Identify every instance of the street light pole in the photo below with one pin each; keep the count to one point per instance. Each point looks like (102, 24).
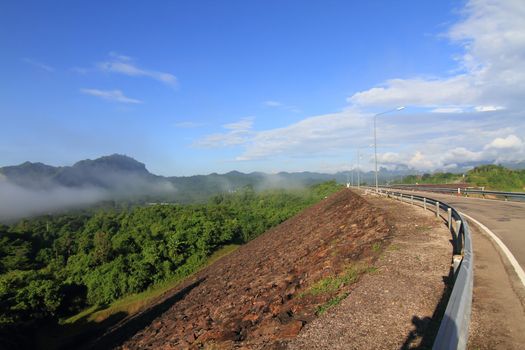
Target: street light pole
(375, 149)
(375, 137)
(358, 180)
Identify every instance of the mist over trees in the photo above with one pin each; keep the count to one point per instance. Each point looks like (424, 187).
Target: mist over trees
(34, 188)
(52, 267)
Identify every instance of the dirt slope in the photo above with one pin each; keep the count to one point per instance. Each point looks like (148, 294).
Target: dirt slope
(401, 304)
(252, 297)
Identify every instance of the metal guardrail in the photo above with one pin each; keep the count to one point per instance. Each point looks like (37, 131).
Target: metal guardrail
(460, 191)
(454, 329)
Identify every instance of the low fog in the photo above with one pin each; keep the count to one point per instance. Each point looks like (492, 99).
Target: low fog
(18, 202)
(273, 181)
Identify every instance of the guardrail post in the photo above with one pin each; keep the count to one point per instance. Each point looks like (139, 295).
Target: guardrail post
(412, 200)
(456, 261)
(401, 197)
(458, 245)
(437, 210)
(425, 203)
(458, 225)
(449, 212)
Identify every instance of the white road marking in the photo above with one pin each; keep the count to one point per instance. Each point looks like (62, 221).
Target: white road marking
(503, 247)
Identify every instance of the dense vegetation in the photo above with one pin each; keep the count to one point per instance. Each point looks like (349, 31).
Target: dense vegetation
(496, 177)
(493, 177)
(55, 266)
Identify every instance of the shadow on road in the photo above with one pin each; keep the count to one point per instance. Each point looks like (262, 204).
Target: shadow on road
(426, 328)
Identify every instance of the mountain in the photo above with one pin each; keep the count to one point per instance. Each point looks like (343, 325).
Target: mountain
(30, 175)
(121, 175)
(105, 172)
(36, 188)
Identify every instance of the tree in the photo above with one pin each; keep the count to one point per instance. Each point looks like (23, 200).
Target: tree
(101, 247)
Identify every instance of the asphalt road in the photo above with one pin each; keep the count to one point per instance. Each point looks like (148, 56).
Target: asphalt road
(505, 219)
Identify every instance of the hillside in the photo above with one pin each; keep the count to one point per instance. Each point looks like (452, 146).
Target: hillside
(262, 294)
(347, 272)
(84, 263)
(491, 177)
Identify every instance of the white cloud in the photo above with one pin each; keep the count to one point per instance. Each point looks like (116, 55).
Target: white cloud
(238, 133)
(389, 158)
(492, 34)
(188, 124)
(459, 155)
(314, 135)
(280, 105)
(419, 92)
(40, 65)
(110, 95)
(491, 79)
(447, 110)
(421, 161)
(242, 125)
(273, 103)
(508, 143)
(500, 149)
(488, 108)
(121, 64)
(419, 140)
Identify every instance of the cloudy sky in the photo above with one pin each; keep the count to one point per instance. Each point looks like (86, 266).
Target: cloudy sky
(196, 87)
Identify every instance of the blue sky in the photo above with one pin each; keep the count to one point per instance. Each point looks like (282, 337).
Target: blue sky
(197, 87)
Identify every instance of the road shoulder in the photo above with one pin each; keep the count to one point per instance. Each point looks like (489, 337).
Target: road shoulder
(498, 313)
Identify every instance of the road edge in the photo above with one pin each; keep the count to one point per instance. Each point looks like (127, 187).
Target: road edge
(510, 257)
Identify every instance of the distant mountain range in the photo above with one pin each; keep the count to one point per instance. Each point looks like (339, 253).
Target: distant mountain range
(31, 188)
(119, 174)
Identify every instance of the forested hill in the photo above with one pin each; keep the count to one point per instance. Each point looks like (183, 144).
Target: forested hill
(491, 177)
(52, 267)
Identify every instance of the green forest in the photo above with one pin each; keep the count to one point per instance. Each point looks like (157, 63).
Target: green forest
(492, 177)
(52, 267)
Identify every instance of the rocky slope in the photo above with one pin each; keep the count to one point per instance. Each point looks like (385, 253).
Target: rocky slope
(263, 294)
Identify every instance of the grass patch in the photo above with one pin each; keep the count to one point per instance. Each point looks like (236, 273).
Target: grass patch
(332, 283)
(331, 303)
(376, 247)
(84, 314)
(372, 270)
